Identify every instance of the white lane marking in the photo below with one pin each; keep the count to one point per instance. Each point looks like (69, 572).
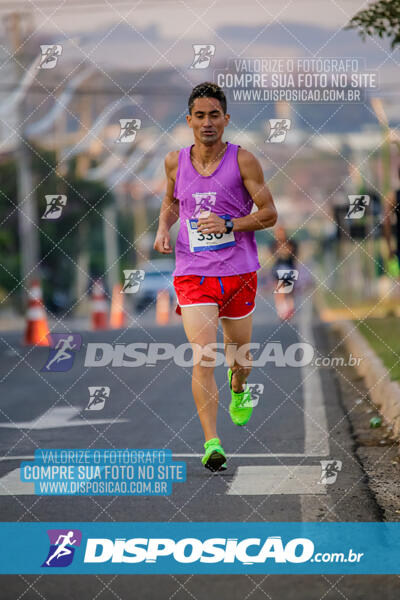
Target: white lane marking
(17, 457)
(192, 455)
(318, 508)
(315, 422)
(249, 480)
(276, 479)
(253, 455)
(58, 417)
(11, 485)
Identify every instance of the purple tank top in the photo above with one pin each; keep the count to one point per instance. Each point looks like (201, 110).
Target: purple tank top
(224, 194)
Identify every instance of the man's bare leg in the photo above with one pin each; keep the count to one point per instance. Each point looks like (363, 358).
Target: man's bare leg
(238, 331)
(201, 324)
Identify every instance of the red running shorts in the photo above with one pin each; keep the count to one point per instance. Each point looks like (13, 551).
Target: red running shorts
(233, 294)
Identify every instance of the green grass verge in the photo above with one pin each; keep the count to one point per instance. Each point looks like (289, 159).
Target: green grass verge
(383, 335)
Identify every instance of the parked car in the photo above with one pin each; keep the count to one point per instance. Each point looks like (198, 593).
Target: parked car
(158, 276)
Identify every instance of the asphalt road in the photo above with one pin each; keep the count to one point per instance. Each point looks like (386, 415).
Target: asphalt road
(298, 422)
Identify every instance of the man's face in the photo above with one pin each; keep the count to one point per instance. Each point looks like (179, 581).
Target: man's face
(207, 120)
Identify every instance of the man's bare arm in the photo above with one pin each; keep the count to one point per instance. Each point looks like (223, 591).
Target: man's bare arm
(253, 180)
(169, 212)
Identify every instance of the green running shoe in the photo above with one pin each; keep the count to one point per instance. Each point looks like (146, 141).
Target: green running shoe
(214, 457)
(241, 407)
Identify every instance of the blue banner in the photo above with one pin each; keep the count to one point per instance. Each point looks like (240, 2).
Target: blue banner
(212, 548)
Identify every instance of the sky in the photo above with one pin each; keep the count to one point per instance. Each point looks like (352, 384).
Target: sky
(184, 17)
(131, 32)
(153, 34)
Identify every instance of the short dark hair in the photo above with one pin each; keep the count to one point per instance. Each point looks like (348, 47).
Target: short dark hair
(207, 90)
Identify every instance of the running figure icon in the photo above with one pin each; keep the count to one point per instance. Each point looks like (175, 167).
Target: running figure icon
(132, 280)
(357, 207)
(62, 549)
(63, 345)
(286, 280)
(98, 397)
(50, 55)
(129, 129)
(54, 207)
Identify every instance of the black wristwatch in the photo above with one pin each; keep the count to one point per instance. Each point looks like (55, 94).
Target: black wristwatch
(228, 225)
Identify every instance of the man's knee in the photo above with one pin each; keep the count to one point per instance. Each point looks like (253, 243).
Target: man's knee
(203, 363)
(204, 355)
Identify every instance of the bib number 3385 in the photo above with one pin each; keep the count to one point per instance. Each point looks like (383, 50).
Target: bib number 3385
(199, 240)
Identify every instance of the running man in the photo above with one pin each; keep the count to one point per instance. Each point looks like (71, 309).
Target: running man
(212, 186)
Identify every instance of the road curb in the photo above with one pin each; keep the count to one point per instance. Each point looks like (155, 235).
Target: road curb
(382, 391)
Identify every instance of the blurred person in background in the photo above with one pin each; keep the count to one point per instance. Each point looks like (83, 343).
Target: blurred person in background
(284, 252)
(392, 211)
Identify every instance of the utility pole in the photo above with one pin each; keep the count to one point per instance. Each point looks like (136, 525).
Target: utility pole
(83, 259)
(27, 208)
(140, 226)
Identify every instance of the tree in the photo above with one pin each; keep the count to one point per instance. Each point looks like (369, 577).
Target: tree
(381, 18)
(59, 239)
(9, 247)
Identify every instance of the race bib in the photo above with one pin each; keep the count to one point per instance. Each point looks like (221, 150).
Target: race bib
(199, 241)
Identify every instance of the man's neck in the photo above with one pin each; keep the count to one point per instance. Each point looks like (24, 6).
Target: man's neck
(205, 154)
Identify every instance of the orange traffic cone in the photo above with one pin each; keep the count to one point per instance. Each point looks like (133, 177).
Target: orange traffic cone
(37, 328)
(162, 307)
(117, 315)
(99, 306)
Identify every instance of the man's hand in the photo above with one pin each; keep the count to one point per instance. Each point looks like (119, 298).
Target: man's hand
(211, 223)
(162, 242)
(169, 212)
